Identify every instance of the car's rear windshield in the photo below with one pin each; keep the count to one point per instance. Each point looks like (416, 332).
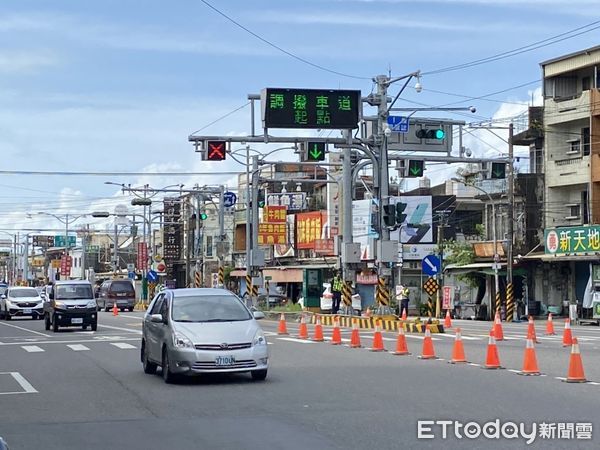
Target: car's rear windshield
(73, 292)
(21, 293)
(121, 286)
(209, 308)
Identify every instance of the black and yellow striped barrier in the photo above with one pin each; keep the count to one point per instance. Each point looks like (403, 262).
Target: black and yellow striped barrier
(510, 302)
(387, 324)
(498, 303)
(197, 279)
(347, 293)
(221, 276)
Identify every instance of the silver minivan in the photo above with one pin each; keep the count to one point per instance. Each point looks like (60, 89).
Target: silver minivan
(202, 330)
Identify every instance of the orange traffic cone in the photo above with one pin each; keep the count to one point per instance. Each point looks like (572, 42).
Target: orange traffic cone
(318, 334)
(458, 352)
(447, 320)
(115, 309)
(492, 361)
(401, 347)
(498, 331)
(303, 331)
(550, 326)
(355, 336)
(428, 351)
(567, 336)
(404, 314)
(336, 337)
(531, 331)
(530, 365)
(282, 329)
(575, 374)
(377, 339)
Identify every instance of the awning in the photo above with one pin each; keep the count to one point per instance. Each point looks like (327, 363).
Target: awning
(473, 267)
(546, 257)
(283, 275)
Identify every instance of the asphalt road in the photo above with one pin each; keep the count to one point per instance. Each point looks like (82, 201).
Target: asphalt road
(76, 389)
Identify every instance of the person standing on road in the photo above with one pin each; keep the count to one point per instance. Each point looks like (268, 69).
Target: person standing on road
(336, 291)
(403, 293)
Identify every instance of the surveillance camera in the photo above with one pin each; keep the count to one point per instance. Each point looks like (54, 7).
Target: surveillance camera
(418, 87)
(468, 153)
(473, 109)
(387, 132)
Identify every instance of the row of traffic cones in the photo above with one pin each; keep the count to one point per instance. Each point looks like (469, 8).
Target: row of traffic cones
(530, 365)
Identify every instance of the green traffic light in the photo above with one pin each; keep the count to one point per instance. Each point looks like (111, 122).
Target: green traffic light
(203, 216)
(440, 134)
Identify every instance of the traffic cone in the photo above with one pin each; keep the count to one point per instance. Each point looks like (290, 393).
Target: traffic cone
(282, 329)
(355, 336)
(447, 320)
(575, 374)
(401, 347)
(404, 314)
(498, 331)
(303, 331)
(458, 352)
(567, 336)
(336, 337)
(318, 333)
(115, 309)
(550, 326)
(492, 361)
(428, 351)
(377, 339)
(530, 365)
(531, 331)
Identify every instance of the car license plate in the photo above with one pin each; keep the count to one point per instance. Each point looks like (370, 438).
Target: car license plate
(27, 311)
(224, 360)
(76, 320)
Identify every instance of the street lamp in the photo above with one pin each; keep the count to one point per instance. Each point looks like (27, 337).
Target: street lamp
(495, 238)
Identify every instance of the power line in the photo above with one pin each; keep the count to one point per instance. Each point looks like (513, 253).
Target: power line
(115, 174)
(517, 51)
(222, 117)
(282, 50)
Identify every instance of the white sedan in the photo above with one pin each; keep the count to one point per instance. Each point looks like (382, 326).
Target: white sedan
(20, 302)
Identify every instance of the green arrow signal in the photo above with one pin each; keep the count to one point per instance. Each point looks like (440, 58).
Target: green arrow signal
(315, 152)
(498, 173)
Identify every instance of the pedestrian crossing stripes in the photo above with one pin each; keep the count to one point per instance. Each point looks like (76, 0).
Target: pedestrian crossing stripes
(75, 347)
(32, 348)
(122, 345)
(78, 347)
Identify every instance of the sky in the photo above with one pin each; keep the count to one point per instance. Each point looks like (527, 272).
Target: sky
(118, 85)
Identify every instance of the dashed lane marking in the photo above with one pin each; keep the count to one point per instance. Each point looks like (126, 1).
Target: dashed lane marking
(27, 387)
(78, 347)
(25, 329)
(32, 348)
(300, 341)
(122, 345)
(129, 330)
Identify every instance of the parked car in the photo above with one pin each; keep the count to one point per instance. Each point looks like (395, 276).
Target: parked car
(202, 330)
(274, 299)
(120, 291)
(71, 303)
(21, 301)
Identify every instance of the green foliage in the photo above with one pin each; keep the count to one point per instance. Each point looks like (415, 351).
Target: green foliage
(289, 307)
(460, 254)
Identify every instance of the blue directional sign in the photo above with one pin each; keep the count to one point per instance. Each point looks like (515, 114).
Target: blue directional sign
(152, 276)
(398, 123)
(229, 199)
(431, 265)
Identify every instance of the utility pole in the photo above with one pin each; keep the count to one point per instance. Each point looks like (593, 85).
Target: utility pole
(510, 237)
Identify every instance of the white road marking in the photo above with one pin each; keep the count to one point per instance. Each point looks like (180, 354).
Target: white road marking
(77, 341)
(514, 370)
(595, 383)
(300, 341)
(78, 347)
(474, 364)
(129, 330)
(32, 348)
(132, 317)
(122, 345)
(27, 387)
(25, 329)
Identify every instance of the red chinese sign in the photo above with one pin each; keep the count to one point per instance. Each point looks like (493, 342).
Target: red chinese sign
(273, 229)
(142, 256)
(324, 246)
(447, 297)
(65, 265)
(309, 227)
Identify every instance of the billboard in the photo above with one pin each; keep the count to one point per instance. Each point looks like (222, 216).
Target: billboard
(418, 224)
(309, 228)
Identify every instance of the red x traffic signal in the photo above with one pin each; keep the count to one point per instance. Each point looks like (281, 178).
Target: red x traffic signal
(215, 150)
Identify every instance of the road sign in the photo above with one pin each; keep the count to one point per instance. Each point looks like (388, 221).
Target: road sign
(398, 123)
(152, 276)
(216, 150)
(431, 265)
(447, 297)
(130, 267)
(131, 275)
(59, 241)
(229, 199)
(431, 286)
(315, 151)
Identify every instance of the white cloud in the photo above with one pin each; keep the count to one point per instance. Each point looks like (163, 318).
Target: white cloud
(25, 61)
